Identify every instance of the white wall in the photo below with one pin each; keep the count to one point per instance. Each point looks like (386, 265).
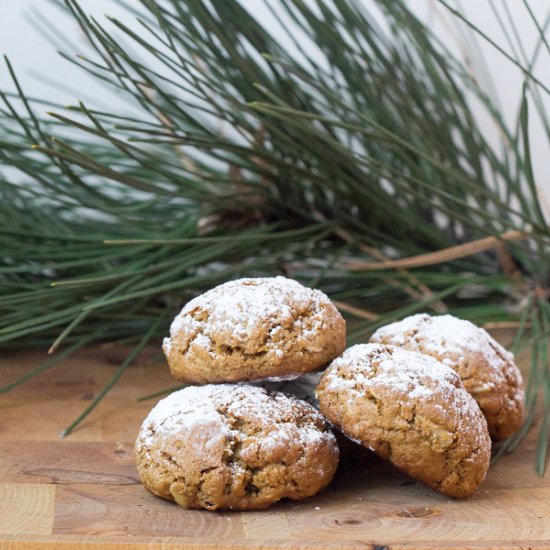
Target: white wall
(30, 53)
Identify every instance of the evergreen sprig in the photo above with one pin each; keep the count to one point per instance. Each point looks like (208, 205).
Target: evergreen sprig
(331, 157)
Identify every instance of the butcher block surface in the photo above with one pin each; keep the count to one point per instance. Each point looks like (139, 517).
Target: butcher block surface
(83, 491)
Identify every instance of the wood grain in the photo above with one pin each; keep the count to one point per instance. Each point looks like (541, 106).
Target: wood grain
(26, 508)
(83, 492)
(266, 525)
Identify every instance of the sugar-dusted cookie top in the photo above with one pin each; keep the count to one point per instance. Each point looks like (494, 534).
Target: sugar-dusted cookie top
(252, 329)
(412, 410)
(487, 370)
(234, 446)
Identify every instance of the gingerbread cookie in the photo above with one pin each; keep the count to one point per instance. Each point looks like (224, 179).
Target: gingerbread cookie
(252, 329)
(411, 410)
(487, 370)
(234, 446)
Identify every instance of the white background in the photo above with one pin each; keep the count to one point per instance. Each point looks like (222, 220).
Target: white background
(32, 55)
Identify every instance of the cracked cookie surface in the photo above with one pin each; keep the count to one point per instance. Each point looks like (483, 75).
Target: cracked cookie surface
(411, 410)
(234, 447)
(253, 329)
(486, 369)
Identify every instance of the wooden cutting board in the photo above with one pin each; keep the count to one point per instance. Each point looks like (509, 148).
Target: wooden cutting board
(83, 491)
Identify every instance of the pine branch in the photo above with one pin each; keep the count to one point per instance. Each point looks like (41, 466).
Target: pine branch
(349, 157)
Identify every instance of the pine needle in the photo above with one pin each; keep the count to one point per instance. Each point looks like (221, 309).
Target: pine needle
(350, 157)
(160, 392)
(118, 373)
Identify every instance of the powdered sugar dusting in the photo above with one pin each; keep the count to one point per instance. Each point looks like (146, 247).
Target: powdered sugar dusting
(488, 371)
(373, 365)
(377, 369)
(443, 336)
(285, 378)
(217, 407)
(236, 313)
(167, 345)
(182, 411)
(411, 410)
(234, 446)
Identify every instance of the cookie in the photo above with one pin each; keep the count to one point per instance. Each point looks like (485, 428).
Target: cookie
(304, 388)
(252, 329)
(234, 447)
(487, 370)
(409, 409)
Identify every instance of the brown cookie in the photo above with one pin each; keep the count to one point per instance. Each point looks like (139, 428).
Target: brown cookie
(487, 370)
(409, 409)
(234, 446)
(252, 329)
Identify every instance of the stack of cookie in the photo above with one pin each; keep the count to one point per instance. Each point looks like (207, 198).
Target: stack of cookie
(237, 445)
(427, 393)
